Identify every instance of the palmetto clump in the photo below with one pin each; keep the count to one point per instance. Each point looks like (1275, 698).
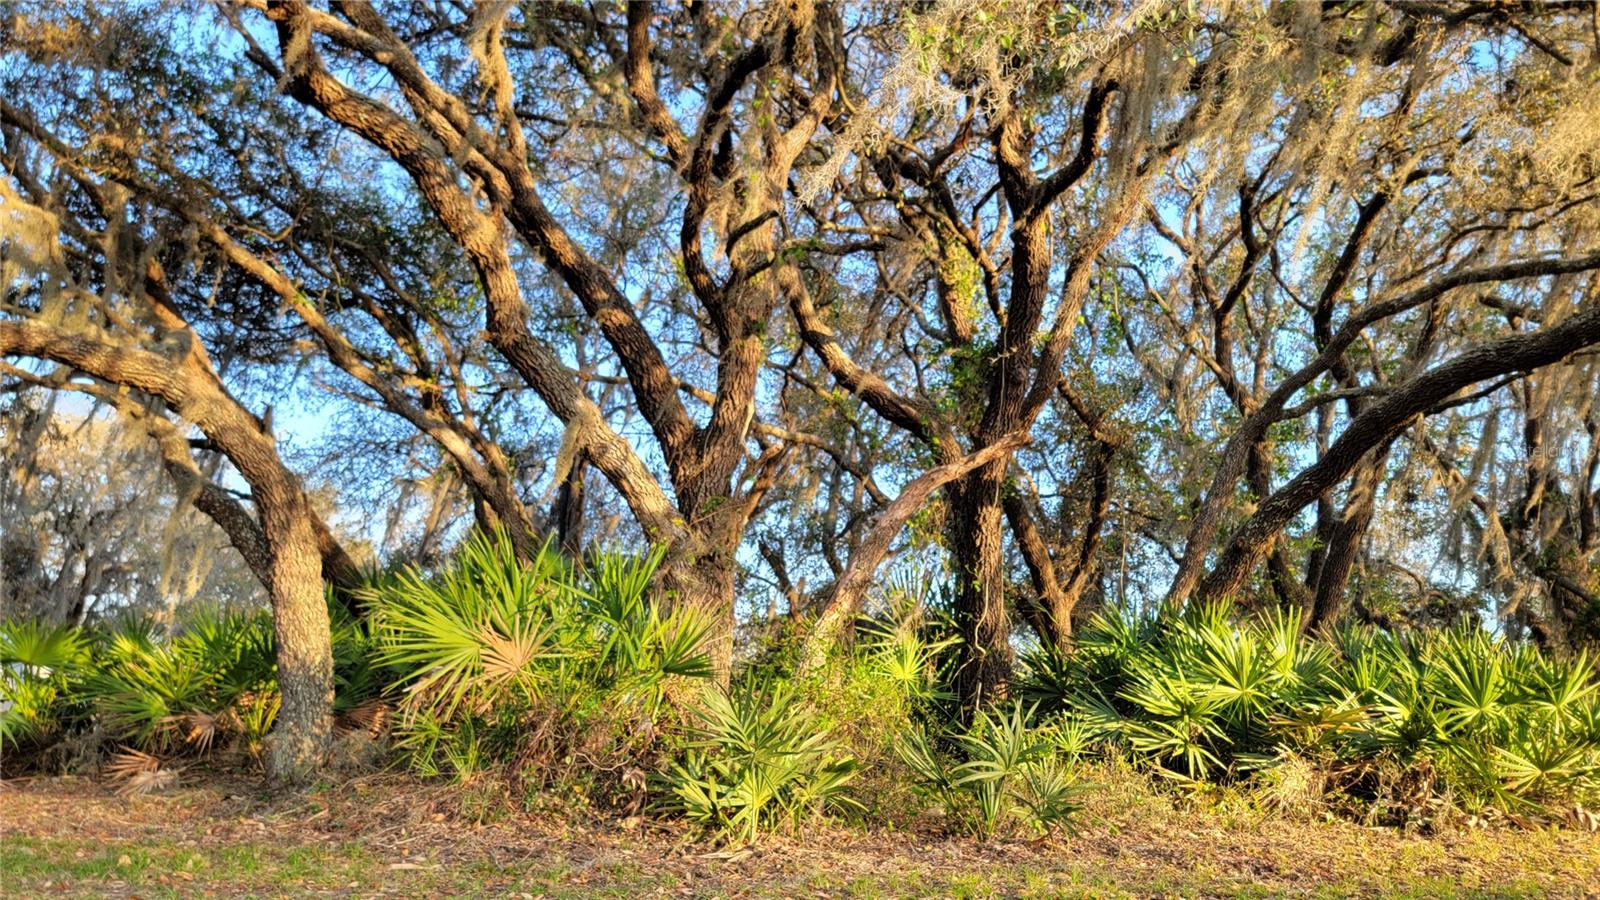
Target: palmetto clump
(566, 672)
(758, 758)
(1396, 719)
(210, 687)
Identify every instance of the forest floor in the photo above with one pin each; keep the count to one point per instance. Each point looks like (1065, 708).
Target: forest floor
(386, 835)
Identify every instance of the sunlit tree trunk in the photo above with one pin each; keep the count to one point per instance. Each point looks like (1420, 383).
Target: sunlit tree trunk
(294, 559)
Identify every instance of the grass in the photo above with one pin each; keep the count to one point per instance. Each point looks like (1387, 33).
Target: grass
(386, 836)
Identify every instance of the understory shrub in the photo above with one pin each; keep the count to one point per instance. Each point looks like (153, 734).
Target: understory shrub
(561, 673)
(885, 695)
(1396, 721)
(206, 686)
(574, 682)
(213, 683)
(750, 763)
(758, 758)
(41, 683)
(999, 772)
(895, 672)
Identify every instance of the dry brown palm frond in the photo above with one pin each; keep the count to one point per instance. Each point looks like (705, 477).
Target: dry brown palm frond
(1583, 819)
(147, 782)
(198, 729)
(508, 653)
(636, 787)
(139, 772)
(128, 761)
(228, 720)
(371, 718)
(504, 658)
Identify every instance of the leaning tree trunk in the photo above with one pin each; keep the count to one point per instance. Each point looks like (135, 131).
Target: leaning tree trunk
(1329, 601)
(1050, 610)
(1380, 423)
(289, 552)
(849, 591)
(190, 386)
(569, 509)
(304, 727)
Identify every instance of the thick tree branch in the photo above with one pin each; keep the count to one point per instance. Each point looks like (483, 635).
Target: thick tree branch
(1381, 422)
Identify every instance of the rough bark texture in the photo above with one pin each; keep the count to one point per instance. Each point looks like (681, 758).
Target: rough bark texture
(981, 611)
(706, 518)
(1060, 575)
(849, 590)
(1051, 608)
(294, 564)
(1329, 600)
(569, 508)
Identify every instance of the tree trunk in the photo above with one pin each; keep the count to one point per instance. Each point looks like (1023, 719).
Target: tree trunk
(568, 512)
(705, 581)
(1050, 611)
(849, 590)
(1208, 518)
(244, 532)
(304, 729)
(295, 558)
(1285, 587)
(981, 614)
(1380, 422)
(1344, 540)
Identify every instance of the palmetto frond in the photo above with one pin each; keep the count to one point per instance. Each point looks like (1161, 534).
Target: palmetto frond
(139, 772)
(758, 758)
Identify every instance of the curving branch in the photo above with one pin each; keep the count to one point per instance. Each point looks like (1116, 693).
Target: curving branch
(1381, 422)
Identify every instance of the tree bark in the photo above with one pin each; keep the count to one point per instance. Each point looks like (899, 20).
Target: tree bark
(294, 567)
(981, 613)
(1051, 609)
(304, 729)
(243, 531)
(568, 512)
(1060, 587)
(848, 593)
(444, 136)
(1328, 601)
(704, 579)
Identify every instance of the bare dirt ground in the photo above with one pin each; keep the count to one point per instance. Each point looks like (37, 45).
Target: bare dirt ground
(388, 836)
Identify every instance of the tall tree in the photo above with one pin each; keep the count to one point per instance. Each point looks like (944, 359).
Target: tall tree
(88, 290)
